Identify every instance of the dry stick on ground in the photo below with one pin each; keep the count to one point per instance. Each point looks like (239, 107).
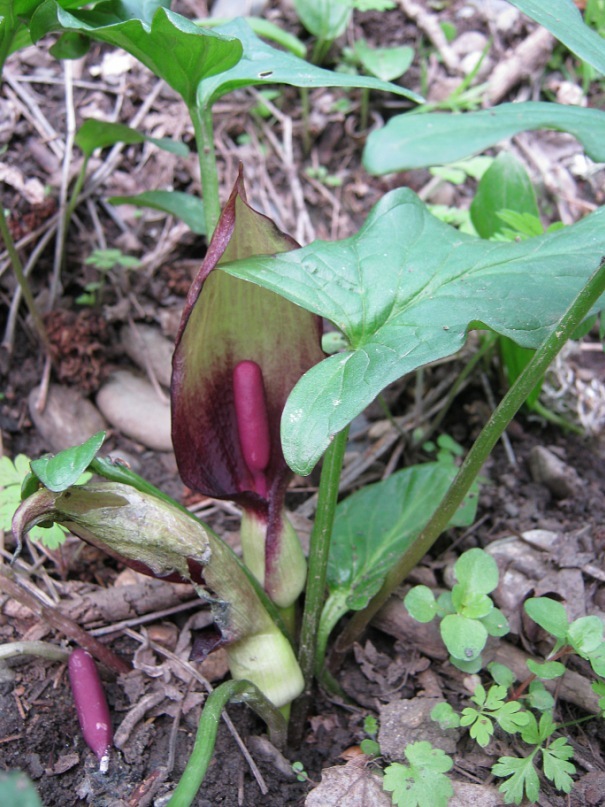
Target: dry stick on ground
(70, 133)
(30, 110)
(429, 23)
(530, 56)
(12, 585)
(208, 687)
(304, 228)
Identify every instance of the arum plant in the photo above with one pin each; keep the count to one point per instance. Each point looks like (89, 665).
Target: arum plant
(239, 352)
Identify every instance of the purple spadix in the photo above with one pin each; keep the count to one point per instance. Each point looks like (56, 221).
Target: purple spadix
(91, 705)
(252, 420)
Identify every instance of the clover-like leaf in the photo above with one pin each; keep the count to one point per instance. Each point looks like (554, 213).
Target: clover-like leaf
(404, 291)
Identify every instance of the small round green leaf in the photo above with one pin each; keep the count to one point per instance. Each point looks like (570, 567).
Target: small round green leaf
(464, 638)
(445, 715)
(477, 570)
(548, 614)
(501, 674)
(469, 667)
(470, 603)
(546, 671)
(585, 634)
(539, 697)
(421, 603)
(597, 660)
(495, 623)
(445, 604)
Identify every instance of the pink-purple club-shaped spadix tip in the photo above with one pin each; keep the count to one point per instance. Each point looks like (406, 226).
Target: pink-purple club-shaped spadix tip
(252, 421)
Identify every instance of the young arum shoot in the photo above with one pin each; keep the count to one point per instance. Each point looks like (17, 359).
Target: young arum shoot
(91, 705)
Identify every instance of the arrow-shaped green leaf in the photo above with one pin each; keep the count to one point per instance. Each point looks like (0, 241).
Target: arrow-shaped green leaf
(404, 291)
(170, 45)
(562, 18)
(437, 138)
(262, 64)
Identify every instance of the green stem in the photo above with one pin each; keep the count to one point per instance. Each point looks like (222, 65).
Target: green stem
(204, 138)
(320, 50)
(479, 453)
(22, 281)
(365, 105)
(558, 420)
(334, 609)
(305, 112)
(319, 550)
(205, 739)
(75, 194)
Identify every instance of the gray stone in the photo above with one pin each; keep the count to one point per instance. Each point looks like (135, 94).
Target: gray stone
(68, 418)
(469, 42)
(147, 347)
(548, 470)
(131, 404)
(409, 721)
(467, 794)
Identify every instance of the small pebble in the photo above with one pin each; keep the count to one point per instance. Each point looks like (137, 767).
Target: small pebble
(548, 470)
(131, 404)
(408, 721)
(145, 345)
(68, 419)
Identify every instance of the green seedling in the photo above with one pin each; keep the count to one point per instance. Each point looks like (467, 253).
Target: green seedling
(106, 261)
(497, 708)
(493, 708)
(299, 770)
(468, 615)
(422, 782)
(387, 64)
(369, 745)
(322, 175)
